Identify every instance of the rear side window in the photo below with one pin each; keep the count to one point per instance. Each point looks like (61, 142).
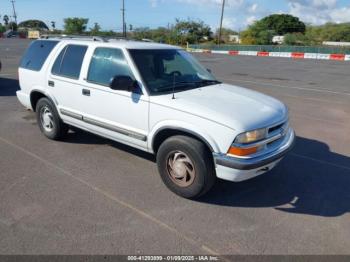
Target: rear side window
(107, 63)
(36, 54)
(69, 62)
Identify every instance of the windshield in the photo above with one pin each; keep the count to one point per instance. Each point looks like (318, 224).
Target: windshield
(165, 70)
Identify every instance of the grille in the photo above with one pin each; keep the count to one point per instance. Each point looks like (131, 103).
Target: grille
(276, 128)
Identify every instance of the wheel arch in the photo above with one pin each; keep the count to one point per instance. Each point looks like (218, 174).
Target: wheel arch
(168, 131)
(36, 95)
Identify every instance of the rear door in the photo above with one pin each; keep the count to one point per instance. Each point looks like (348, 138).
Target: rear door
(64, 82)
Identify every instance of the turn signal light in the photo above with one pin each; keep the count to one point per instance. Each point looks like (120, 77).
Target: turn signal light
(236, 151)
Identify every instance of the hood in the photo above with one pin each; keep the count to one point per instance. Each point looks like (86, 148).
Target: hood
(235, 107)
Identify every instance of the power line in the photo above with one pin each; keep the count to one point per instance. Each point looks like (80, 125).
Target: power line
(14, 10)
(123, 15)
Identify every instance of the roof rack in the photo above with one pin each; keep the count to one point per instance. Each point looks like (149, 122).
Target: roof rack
(75, 37)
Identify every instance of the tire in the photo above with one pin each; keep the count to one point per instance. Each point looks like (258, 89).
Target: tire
(49, 121)
(186, 166)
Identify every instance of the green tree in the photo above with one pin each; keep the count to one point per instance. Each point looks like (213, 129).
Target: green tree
(262, 31)
(181, 32)
(96, 29)
(33, 24)
(75, 25)
(315, 35)
(336, 32)
(13, 26)
(295, 39)
(2, 28)
(142, 33)
(225, 34)
(192, 31)
(6, 20)
(283, 24)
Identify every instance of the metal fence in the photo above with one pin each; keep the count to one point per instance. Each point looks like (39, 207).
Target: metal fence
(276, 48)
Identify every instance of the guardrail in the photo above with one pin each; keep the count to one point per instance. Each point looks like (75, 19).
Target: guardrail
(276, 48)
(293, 55)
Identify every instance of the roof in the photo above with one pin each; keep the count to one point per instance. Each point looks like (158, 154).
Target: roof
(121, 43)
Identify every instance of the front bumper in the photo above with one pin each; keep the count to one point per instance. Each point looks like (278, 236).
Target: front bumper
(240, 169)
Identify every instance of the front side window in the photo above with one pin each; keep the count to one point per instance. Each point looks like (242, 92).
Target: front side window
(166, 70)
(36, 54)
(107, 63)
(69, 61)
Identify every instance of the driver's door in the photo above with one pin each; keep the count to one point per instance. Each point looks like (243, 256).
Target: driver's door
(120, 115)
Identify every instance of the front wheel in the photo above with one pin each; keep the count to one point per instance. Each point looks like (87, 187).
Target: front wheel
(186, 166)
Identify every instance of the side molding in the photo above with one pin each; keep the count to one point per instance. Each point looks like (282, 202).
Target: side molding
(104, 125)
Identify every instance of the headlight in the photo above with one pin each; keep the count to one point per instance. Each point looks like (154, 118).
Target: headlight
(247, 138)
(251, 136)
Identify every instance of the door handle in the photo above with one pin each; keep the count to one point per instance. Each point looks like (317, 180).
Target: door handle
(51, 83)
(86, 92)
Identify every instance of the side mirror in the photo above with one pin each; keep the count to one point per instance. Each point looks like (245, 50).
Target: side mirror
(124, 83)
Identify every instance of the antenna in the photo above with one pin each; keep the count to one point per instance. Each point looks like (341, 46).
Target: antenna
(14, 11)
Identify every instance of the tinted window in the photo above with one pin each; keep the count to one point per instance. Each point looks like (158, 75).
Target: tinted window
(106, 64)
(36, 54)
(69, 61)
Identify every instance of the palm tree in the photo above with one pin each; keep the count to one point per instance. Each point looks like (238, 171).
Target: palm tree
(6, 19)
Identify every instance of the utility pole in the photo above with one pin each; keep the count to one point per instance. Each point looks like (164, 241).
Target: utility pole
(14, 10)
(123, 15)
(222, 18)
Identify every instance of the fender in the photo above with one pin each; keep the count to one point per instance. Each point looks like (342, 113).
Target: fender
(46, 93)
(184, 127)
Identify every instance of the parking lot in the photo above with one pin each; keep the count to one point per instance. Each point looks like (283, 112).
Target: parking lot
(89, 195)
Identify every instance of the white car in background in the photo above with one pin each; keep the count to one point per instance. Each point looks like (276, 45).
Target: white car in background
(159, 99)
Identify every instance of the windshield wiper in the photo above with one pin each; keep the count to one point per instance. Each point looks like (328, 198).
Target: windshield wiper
(205, 82)
(175, 86)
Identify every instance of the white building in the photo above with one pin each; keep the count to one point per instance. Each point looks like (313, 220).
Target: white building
(234, 38)
(278, 39)
(336, 43)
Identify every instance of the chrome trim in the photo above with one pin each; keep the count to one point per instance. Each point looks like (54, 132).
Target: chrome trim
(110, 127)
(260, 143)
(259, 161)
(71, 114)
(114, 128)
(278, 134)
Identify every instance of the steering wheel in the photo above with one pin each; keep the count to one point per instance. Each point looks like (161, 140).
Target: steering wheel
(176, 73)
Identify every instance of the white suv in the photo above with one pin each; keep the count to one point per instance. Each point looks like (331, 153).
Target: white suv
(159, 99)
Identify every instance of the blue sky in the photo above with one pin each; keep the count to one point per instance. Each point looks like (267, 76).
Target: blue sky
(154, 13)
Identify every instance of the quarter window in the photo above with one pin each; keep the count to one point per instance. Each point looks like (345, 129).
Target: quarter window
(69, 62)
(107, 63)
(37, 54)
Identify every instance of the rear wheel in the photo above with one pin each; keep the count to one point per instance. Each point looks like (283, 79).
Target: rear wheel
(186, 166)
(49, 121)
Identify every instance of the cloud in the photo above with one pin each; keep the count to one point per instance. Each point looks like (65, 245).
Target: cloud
(229, 3)
(319, 11)
(154, 3)
(253, 8)
(250, 20)
(229, 22)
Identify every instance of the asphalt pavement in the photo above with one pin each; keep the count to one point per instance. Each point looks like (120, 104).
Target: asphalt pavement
(89, 195)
